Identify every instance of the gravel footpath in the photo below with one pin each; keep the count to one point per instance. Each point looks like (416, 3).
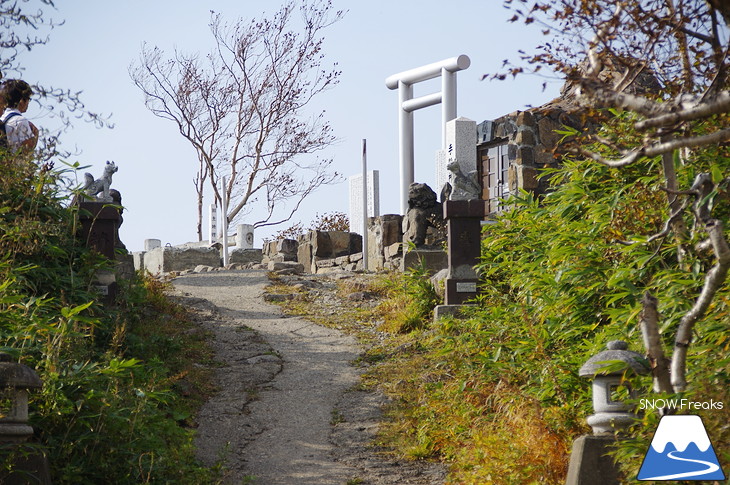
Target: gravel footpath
(287, 411)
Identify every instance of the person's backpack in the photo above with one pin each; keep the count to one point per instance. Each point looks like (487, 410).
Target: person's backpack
(3, 134)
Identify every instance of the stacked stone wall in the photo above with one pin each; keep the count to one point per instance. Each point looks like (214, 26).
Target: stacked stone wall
(187, 257)
(322, 251)
(280, 251)
(532, 140)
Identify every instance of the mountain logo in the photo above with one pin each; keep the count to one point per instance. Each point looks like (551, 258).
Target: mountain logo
(681, 450)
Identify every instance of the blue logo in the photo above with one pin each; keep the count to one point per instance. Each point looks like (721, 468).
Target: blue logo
(681, 450)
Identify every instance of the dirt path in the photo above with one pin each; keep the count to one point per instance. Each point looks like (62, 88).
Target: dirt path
(287, 412)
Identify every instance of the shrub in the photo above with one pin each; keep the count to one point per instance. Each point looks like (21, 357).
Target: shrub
(497, 395)
(107, 412)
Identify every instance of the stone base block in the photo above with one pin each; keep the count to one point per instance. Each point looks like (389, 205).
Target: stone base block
(456, 311)
(164, 260)
(244, 256)
(590, 463)
(459, 291)
(29, 465)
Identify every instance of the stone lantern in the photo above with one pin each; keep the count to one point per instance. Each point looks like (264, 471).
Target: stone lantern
(16, 380)
(590, 463)
(611, 415)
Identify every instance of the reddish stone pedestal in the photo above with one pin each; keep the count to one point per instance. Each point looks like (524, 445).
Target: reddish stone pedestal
(463, 227)
(99, 226)
(99, 223)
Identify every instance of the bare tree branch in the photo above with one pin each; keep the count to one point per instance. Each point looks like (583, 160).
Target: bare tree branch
(714, 280)
(244, 111)
(717, 105)
(658, 148)
(649, 323)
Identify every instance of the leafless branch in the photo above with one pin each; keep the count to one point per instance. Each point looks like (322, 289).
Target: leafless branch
(657, 148)
(244, 110)
(714, 280)
(716, 105)
(649, 324)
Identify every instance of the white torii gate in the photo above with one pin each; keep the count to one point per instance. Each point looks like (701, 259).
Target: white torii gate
(404, 82)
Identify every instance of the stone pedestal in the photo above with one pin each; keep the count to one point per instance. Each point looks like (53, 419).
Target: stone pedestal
(99, 231)
(590, 463)
(99, 224)
(463, 226)
(29, 465)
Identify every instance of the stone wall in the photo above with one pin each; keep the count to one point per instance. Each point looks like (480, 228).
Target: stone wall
(186, 257)
(531, 140)
(167, 259)
(280, 251)
(321, 251)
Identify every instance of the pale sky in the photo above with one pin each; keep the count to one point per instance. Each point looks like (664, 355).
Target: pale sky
(94, 49)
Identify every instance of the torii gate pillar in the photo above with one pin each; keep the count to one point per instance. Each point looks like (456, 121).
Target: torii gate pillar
(404, 81)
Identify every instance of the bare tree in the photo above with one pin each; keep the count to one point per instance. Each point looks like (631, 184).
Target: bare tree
(242, 107)
(681, 48)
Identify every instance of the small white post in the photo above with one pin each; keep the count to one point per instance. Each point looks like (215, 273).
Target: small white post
(212, 223)
(244, 236)
(364, 205)
(224, 220)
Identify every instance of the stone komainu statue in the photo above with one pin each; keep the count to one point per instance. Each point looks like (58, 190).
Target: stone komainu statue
(423, 224)
(462, 186)
(93, 187)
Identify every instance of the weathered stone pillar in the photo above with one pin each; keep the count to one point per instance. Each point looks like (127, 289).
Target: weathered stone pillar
(463, 227)
(99, 224)
(244, 236)
(150, 244)
(99, 231)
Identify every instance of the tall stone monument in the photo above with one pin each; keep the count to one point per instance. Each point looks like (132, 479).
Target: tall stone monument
(459, 157)
(357, 198)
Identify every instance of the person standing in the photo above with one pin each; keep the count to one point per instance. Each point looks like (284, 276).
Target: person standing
(22, 135)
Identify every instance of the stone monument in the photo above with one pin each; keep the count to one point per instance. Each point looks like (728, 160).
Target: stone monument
(457, 162)
(464, 229)
(463, 211)
(357, 198)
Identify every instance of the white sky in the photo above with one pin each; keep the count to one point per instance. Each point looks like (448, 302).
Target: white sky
(93, 50)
